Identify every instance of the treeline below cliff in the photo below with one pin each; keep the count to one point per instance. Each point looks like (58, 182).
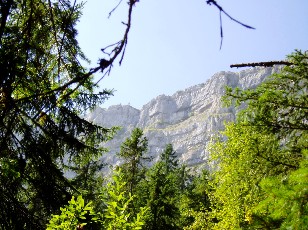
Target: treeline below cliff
(188, 119)
(258, 179)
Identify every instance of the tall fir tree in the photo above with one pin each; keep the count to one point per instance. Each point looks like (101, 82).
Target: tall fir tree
(164, 187)
(43, 91)
(133, 153)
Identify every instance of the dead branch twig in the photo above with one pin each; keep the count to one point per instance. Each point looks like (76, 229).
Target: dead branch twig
(104, 65)
(110, 13)
(263, 64)
(221, 10)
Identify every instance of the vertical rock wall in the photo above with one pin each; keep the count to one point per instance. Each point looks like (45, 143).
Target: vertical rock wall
(187, 119)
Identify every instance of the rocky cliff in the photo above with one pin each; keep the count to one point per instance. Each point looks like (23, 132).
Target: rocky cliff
(187, 119)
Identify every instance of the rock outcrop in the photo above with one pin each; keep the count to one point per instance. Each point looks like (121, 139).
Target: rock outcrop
(187, 119)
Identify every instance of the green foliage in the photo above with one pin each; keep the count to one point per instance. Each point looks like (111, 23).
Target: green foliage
(200, 190)
(243, 160)
(132, 152)
(117, 214)
(260, 181)
(88, 178)
(163, 198)
(168, 158)
(195, 202)
(201, 220)
(279, 105)
(286, 198)
(163, 184)
(75, 214)
(43, 91)
(9, 168)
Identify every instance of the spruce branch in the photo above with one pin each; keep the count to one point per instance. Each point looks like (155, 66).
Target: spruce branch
(104, 64)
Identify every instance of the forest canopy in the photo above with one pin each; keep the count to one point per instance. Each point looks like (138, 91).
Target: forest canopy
(259, 174)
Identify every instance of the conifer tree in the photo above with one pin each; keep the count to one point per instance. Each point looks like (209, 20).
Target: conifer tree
(260, 179)
(133, 153)
(168, 158)
(163, 183)
(43, 91)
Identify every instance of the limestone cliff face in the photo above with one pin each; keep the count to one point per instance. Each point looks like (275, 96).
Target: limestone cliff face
(187, 119)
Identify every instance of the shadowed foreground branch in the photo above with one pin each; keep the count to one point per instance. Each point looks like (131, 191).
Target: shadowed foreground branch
(264, 64)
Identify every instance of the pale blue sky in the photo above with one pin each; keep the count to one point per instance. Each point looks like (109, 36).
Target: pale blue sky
(174, 44)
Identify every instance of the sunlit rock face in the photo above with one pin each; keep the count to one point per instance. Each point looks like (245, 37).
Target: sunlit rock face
(188, 119)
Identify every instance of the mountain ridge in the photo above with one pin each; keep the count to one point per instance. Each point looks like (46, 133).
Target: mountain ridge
(188, 119)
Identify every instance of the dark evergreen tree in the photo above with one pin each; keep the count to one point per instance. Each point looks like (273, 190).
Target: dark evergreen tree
(168, 158)
(133, 153)
(89, 180)
(201, 189)
(163, 183)
(43, 91)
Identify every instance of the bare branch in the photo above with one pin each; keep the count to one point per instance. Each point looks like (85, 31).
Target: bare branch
(104, 65)
(221, 31)
(110, 13)
(264, 64)
(221, 10)
(109, 46)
